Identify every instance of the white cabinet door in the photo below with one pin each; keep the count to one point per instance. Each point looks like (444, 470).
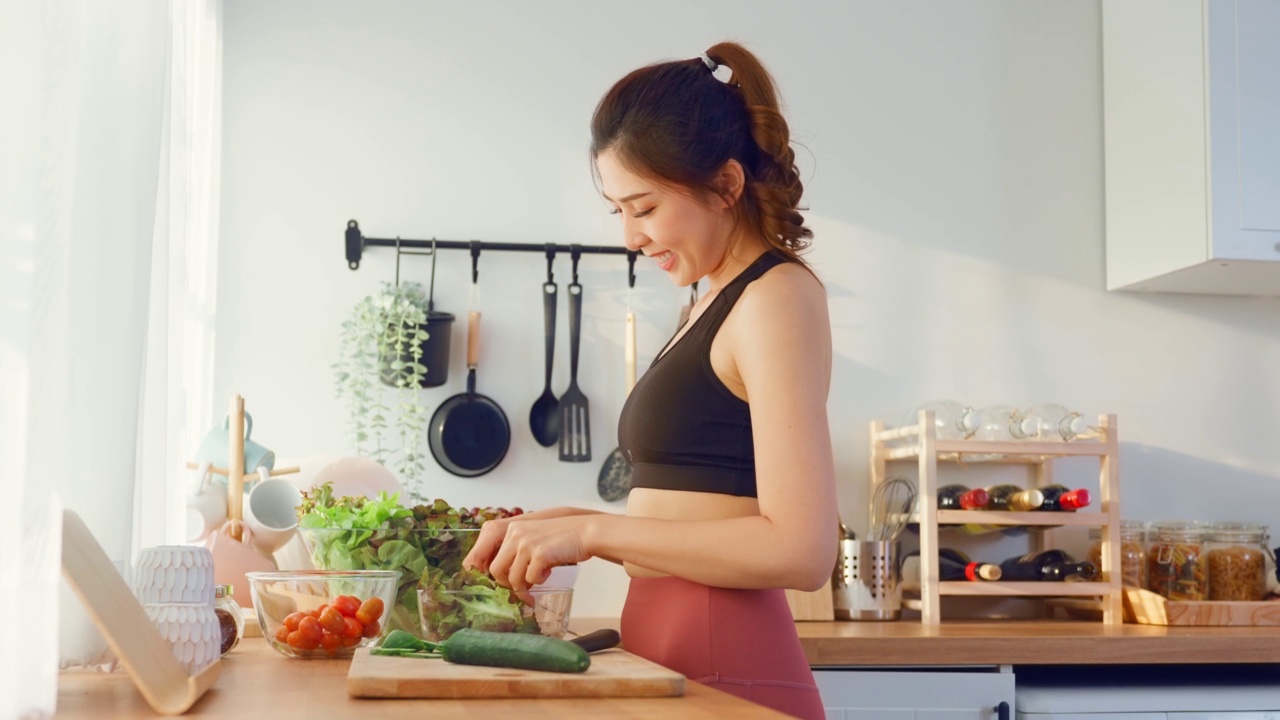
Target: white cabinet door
(1244, 121)
(914, 694)
(1191, 103)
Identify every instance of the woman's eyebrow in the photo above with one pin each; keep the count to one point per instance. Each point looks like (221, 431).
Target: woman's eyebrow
(626, 199)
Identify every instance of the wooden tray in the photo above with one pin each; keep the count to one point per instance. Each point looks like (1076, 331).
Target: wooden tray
(1148, 608)
(613, 673)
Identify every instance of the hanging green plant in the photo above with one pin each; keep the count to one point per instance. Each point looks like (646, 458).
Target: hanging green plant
(380, 354)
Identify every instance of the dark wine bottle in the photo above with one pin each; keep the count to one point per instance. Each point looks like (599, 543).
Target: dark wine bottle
(952, 565)
(960, 497)
(955, 565)
(1061, 498)
(1012, 497)
(1048, 565)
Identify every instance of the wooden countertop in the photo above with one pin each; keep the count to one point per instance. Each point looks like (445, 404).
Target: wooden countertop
(256, 681)
(1032, 642)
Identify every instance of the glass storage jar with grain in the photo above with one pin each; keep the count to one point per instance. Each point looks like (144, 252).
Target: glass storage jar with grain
(1133, 571)
(1177, 567)
(1237, 561)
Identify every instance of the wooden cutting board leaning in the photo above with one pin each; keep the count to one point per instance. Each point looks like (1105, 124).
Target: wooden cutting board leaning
(613, 673)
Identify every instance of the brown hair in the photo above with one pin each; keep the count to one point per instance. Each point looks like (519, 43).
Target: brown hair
(677, 123)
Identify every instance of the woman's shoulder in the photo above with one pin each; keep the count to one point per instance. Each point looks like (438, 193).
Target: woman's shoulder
(788, 305)
(786, 287)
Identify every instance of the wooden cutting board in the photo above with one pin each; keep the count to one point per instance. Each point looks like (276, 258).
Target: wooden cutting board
(613, 673)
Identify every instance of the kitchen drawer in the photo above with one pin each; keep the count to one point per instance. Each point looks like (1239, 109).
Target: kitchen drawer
(1188, 692)
(901, 694)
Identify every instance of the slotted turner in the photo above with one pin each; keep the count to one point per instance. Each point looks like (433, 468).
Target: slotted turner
(575, 420)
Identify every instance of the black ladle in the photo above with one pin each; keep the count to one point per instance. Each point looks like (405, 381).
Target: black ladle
(544, 416)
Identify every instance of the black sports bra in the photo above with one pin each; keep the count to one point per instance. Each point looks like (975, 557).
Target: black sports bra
(681, 428)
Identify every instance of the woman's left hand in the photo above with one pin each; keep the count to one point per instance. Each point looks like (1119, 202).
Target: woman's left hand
(531, 548)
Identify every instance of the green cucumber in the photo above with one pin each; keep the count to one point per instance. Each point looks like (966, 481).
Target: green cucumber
(514, 650)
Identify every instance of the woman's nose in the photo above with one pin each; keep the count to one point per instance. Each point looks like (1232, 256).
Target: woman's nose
(632, 237)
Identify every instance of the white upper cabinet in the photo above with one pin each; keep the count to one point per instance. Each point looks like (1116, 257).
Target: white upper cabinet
(1191, 97)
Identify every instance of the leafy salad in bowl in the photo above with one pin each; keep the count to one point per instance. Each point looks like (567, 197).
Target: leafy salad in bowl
(424, 542)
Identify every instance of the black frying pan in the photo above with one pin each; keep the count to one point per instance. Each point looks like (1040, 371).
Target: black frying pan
(469, 433)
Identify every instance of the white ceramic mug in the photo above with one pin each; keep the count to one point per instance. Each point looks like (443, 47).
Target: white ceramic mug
(206, 505)
(271, 511)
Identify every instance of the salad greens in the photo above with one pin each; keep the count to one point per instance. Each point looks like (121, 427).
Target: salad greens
(359, 533)
(471, 599)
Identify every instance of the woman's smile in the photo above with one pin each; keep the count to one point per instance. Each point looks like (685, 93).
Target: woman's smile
(665, 260)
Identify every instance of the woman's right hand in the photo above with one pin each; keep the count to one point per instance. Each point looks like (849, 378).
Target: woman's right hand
(493, 532)
(488, 543)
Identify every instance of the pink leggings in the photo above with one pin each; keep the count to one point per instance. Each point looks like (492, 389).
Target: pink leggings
(740, 641)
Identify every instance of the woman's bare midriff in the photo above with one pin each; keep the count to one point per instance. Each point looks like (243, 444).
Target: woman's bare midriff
(684, 505)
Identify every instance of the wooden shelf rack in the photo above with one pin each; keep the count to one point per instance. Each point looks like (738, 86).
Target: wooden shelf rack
(920, 444)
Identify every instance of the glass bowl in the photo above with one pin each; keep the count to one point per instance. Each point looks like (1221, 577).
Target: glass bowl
(324, 614)
(407, 551)
(542, 610)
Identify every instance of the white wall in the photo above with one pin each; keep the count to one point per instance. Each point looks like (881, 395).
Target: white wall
(953, 162)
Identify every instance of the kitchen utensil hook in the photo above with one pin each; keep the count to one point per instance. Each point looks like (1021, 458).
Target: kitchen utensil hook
(551, 258)
(631, 277)
(432, 252)
(475, 273)
(575, 252)
(431, 294)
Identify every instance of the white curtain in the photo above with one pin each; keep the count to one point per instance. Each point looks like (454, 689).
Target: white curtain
(178, 380)
(108, 207)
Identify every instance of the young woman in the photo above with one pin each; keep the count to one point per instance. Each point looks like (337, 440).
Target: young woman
(733, 493)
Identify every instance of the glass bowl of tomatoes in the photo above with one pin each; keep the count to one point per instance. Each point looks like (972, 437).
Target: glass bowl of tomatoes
(322, 613)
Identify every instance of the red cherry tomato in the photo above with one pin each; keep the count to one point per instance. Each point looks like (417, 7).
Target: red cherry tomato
(292, 619)
(373, 629)
(346, 605)
(282, 634)
(370, 611)
(333, 621)
(311, 629)
(331, 642)
(354, 628)
(302, 642)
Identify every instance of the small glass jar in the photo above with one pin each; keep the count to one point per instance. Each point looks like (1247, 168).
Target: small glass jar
(1237, 561)
(230, 616)
(1177, 567)
(1133, 552)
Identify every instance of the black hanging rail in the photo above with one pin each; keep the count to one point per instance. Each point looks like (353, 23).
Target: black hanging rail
(357, 242)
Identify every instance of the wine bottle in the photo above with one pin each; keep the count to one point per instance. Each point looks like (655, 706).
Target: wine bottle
(1047, 565)
(1052, 422)
(952, 565)
(953, 420)
(1061, 498)
(998, 423)
(960, 497)
(1012, 497)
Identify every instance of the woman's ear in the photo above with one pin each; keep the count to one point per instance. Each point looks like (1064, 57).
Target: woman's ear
(730, 181)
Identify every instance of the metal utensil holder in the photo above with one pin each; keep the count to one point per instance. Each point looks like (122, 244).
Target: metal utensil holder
(866, 581)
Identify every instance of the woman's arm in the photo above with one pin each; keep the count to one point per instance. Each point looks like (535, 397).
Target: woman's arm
(780, 342)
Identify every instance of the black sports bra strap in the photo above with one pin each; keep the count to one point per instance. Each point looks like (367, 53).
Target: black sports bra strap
(728, 297)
